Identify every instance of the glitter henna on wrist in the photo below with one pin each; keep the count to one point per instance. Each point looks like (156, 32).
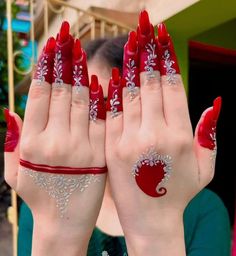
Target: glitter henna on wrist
(168, 60)
(152, 171)
(60, 182)
(114, 99)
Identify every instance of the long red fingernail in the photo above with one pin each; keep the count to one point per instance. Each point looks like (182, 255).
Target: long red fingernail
(168, 60)
(79, 63)
(64, 32)
(130, 78)
(114, 99)
(12, 135)
(147, 45)
(97, 108)
(62, 72)
(45, 63)
(207, 129)
(144, 23)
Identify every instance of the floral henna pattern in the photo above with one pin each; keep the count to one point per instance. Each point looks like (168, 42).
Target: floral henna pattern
(42, 70)
(60, 187)
(151, 60)
(168, 65)
(152, 171)
(115, 102)
(77, 76)
(130, 78)
(93, 109)
(58, 69)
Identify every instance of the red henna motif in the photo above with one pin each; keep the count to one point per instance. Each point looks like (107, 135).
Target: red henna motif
(45, 63)
(114, 99)
(207, 128)
(62, 169)
(130, 78)
(62, 72)
(79, 63)
(151, 172)
(147, 45)
(12, 135)
(168, 60)
(97, 105)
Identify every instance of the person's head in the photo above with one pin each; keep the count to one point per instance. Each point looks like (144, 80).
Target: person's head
(102, 55)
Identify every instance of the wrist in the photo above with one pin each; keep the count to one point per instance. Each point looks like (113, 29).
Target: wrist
(53, 240)
(166, 240)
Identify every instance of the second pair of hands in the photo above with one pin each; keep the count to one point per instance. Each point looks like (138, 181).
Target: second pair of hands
(57, 132)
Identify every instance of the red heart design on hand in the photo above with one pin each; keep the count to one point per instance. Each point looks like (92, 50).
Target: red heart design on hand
(148, 179)
(151, 171)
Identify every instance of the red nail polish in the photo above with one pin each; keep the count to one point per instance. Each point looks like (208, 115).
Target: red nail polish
(45, 63)
(163, 35)
(148, 58)
(64, 32)
(144, 23)
(130, 78)
(168, 60)
(114, 99)
(79, 63)
(62, 72)
(207, 129)
(12, 135)
(97, 108)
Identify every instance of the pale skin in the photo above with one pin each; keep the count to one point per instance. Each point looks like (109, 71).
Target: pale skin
(57, 131)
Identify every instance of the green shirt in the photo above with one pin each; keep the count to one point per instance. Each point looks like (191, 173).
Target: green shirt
(206, 226)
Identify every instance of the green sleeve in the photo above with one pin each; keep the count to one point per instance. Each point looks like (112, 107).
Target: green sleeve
(25, 231)
(207, 227)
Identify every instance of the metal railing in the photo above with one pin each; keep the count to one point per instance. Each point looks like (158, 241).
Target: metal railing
(90, 23)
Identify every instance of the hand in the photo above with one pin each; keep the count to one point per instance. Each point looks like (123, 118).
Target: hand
(56, 162)
(156, 165)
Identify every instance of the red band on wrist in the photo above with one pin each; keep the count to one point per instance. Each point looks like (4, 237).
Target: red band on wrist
(62, 169)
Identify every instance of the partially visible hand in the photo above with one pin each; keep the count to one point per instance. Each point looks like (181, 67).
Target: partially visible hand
(42, 159)
(155, 164)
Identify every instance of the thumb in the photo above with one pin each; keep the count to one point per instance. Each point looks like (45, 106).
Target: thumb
(11, 147)
(205, 142)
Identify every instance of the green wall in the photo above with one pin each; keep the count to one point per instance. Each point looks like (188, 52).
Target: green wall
(208, 21)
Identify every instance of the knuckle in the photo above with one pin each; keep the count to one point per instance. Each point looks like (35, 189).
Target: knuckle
(60, 92)
(80, 104)
(36, 91)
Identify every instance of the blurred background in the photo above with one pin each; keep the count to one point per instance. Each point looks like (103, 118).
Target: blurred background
(204, 35)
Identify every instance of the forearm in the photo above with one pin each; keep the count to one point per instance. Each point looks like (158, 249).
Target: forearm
(49, 242)
(168, 241)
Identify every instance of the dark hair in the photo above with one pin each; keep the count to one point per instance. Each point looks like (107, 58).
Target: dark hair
(110, 50)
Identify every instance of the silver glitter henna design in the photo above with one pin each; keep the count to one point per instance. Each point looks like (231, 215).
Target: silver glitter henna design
(152, 171)
(42, 70)
(59, 186)
(115, 102)
(130, 77)
(58, 69)
(93, 109)
(77, 76)
(170, 71)
(151, 59)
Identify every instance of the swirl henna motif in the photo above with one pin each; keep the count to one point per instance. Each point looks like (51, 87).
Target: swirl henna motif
(58, 69)
(93, 109)
(114, 102)
(59, 186)
(152, 171)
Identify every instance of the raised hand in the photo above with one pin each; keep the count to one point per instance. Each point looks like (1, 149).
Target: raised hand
(56, 162)
(156, 165)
